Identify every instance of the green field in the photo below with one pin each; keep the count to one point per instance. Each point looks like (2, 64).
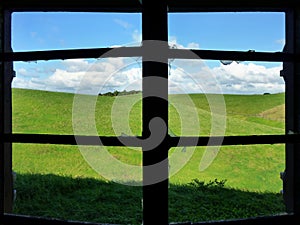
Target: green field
(56, 181)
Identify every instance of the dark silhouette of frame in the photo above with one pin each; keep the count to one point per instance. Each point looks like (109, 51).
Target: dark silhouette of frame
(155, 26)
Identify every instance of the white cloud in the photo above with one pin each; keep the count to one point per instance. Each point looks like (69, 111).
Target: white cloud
(174, 43)
(32, 83)
(123, 23)
(137, 36)
(22, 72)
(99, 75)
(198, 79)
(193, 45)
(75, 65)
(86, 77)
(234, 78)
(249, 78)
(280, 42)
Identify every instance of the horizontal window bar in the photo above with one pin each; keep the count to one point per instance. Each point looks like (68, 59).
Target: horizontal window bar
(274, 220)
(138, 51)
(138, 141)
(229, 5)
(73, 139)
(72, 54)
(135, 5)
(234, 55)
(234, 140)
(73, 6)
(32, 220)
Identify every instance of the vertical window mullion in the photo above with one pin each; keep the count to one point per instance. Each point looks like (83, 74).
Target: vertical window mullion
(6, 75)
(155, 105)
(291, 74)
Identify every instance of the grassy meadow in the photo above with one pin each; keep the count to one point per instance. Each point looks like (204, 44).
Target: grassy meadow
(56, 181)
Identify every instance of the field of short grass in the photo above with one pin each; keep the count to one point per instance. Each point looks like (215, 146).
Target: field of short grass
(56, 181)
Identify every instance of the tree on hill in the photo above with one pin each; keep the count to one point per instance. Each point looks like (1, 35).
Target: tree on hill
(116, 93)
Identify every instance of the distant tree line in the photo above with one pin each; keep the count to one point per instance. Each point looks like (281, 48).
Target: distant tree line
(118, 93)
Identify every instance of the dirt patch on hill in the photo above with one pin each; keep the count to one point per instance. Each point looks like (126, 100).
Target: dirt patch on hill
(277, 113)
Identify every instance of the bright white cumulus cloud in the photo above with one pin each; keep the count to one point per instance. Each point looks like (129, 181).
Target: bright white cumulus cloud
(111, 75)
(194, 76)
(249, 78)
(189, 76)
(84, 76)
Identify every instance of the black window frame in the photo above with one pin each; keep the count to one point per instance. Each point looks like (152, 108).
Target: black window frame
(155, 27)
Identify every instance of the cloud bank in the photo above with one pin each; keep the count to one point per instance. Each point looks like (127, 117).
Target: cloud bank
(81, 75)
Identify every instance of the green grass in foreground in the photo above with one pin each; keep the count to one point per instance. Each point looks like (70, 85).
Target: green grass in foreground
(94, 200)
(56, 181)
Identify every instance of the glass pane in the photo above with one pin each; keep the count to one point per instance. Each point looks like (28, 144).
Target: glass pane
(232, 182)
(242, 31)
(103, 96)
(57, 181)
(209, 98)
(35, 31)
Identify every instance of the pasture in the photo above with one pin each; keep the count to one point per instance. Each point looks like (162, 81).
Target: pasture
(56, 180)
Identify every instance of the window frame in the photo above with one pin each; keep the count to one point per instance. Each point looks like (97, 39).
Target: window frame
(156, 194)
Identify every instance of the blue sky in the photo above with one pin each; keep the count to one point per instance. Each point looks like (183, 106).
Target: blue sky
(222, 31)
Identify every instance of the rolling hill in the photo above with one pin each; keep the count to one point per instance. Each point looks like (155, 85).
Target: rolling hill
(252, 168)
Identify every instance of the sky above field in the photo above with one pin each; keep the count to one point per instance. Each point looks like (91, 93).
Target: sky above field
(261, 32)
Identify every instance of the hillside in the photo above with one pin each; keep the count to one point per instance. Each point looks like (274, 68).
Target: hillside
(253, 168)
(50, 112)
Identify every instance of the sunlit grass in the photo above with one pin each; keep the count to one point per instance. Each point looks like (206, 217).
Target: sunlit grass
(249, 171)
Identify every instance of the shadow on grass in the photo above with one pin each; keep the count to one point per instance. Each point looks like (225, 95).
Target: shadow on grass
(84, 199)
